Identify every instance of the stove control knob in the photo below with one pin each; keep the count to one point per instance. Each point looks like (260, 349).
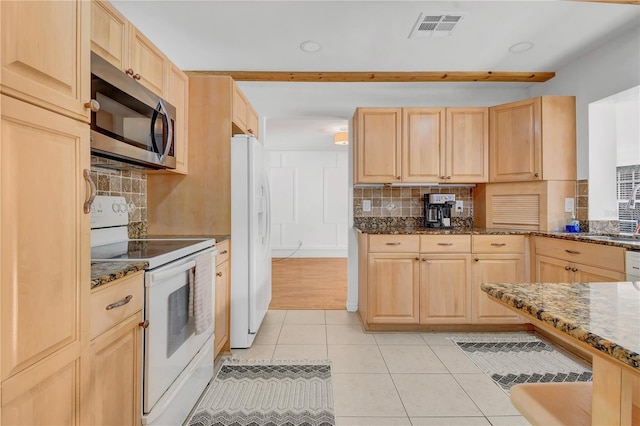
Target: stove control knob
(115, 207)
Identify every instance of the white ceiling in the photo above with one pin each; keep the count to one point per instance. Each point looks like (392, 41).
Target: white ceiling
(372, 36)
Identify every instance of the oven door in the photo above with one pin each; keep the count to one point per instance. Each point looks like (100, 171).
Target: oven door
(170, 342)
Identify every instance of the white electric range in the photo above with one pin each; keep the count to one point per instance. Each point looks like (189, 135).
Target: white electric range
(177, 362)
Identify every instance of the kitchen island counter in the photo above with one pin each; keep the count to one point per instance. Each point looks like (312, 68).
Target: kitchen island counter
(602, 318)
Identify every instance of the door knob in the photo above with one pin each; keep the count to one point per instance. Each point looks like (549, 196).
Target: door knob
(93, 105)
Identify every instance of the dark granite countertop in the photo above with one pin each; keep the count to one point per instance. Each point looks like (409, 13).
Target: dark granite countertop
(218, 238)
(605, 316)
(105, 272)
(632, 244)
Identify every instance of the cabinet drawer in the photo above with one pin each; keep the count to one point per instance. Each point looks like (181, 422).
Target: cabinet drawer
(223, 251)
(102, 318)
(445, 243)
(394, 243)
(498, 243)
(596, 255)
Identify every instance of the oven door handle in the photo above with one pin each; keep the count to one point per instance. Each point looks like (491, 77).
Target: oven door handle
(163, 275)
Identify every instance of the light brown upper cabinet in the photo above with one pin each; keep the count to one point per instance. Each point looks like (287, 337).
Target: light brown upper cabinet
(245, 118)
(46, 62)
(443, 145)
(533, 139)
(119, 42)
(178, 96)
(376, 151)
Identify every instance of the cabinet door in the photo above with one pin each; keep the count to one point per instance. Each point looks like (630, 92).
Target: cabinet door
(221, 331)
(551, 270)
(253, 121)
(445, 289)
(46, 394)
(495, 268)
(116, 374)
(467, 148)
(240, 106)
(423, 144)
(178, 96)
(44, 258)
(590, 274)
(515, 141)
(148, 62)
(109, 33)
(394, 288)
(45, 54)
(377, 145)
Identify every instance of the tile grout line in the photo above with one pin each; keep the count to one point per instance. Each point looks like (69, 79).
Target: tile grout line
(395, 386)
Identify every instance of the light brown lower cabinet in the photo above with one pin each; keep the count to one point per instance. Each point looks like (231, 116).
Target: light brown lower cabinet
(116, 353)
(558, 260)
(223, 292)
(435, 279)
(394, 288)
(445, 290)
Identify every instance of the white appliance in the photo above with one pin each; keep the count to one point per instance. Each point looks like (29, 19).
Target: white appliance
(177, 362)
(251, 233)
(633, 265)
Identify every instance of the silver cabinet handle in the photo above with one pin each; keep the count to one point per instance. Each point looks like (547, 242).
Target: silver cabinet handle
(445, 244)
(393, 244)
(92, 195)
(119, 303)
(572, 251)
(498, 244)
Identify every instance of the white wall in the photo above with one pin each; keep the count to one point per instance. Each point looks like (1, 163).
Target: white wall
(628, 132)
(309, 203)
(602, 159)
(609, 69)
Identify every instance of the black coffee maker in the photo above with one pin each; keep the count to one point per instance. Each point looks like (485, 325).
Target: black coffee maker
(437, 210)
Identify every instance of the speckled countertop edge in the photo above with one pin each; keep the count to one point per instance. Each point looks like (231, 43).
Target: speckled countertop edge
(409, 230)
(105, 272)
(506, 293)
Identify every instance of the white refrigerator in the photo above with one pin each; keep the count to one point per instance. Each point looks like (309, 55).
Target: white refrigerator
(251, 240)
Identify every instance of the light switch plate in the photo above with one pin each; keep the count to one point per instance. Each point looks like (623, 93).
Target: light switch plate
(366, 205)
(568, 205)
(459, 206)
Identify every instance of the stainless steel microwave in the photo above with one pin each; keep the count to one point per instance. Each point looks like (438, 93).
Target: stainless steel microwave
(129, 123)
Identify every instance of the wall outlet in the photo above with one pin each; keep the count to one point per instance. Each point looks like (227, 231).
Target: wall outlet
(459, 206)
(568, 205)
(366, 205)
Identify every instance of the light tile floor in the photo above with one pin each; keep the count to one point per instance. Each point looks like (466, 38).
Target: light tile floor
(386, 378)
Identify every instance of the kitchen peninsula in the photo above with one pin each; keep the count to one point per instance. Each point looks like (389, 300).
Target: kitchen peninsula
(604, 320)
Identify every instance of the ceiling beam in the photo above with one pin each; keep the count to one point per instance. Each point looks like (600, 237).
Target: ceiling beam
(385, 77)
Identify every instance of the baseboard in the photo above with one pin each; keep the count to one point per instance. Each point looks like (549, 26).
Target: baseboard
(308, 252)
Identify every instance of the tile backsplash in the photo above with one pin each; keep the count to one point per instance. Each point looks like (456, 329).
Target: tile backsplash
(132, 185)
(406, 201)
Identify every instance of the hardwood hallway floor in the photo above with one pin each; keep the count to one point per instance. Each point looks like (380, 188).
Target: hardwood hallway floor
(309, 283)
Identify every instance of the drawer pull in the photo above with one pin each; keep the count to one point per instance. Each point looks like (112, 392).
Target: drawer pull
(572, 251)
(218, 274)
(445, 244)
(498, 244)
(574, 269)
(567, 268)
(417, 258)
(120, 303)
(144, 324)
(224, 252)
(476, 260)
(393, 244)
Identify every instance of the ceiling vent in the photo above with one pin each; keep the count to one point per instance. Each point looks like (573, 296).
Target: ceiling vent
(431, 25)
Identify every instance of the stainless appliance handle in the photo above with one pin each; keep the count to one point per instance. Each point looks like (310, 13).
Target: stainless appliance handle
(161, 108)
(160, 276)
(92, 195)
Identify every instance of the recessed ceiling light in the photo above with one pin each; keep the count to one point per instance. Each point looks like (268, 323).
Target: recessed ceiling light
(310, 46)
(523, 46)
